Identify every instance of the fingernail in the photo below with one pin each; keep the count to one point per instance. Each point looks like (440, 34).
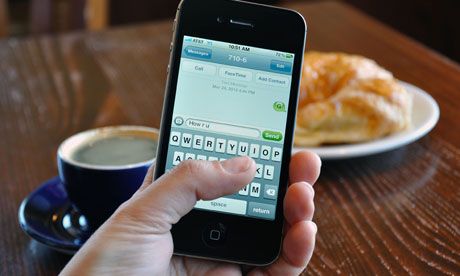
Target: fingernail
(310, 187)
(315, 227)
(237, 165)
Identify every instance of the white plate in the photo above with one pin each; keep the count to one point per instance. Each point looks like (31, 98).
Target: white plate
(425, 115)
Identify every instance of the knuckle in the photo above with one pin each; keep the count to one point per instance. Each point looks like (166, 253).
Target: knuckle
(191, 167)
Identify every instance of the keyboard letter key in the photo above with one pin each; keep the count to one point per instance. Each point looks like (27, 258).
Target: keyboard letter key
(254, 151)
(197, 142)
(189, 156)
(254, 190)
(175, 138)
(243, 148)
(232, 147)
(268, 172)
(200, 157)
(276, 154)
(259, 168)
(220, 145)
(209, 143)
(244, 190)
(186, 140)
(265, 152)
(178, 157)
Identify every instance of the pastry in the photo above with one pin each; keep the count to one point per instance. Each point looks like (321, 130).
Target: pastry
(348, 98)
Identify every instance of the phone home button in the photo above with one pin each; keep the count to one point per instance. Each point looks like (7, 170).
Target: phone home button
(214, 234)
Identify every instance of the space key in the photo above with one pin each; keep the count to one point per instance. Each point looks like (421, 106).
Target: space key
(227, 205)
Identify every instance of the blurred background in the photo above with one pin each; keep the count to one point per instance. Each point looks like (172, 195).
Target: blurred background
(433, 23)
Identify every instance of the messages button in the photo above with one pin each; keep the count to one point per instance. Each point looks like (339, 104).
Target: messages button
(198, 52)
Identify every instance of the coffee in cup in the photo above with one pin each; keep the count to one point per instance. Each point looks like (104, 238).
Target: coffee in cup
(102, 168)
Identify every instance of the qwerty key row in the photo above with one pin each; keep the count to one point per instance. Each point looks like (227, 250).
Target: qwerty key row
(220, 145)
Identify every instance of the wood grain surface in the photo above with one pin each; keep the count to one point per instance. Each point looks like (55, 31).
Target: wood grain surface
(394, 213)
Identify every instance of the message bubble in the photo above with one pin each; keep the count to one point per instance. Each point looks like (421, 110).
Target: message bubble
(279, 106)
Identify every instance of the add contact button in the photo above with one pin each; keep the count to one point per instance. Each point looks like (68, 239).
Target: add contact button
(272, 80)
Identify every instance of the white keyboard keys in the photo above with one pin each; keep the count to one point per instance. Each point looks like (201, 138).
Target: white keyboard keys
(232, 146)
(178, 157)
(175, 138)
(254, 150)
(276, 154)
(197, 142)
(227, 147)
(268, 172)
(189, 156)
(244, 190)
(200, 157)
(243, 148)
(259, 170)
(209, 143)
(220, 145)
(186, 140)
(254, 190)
(265, 152)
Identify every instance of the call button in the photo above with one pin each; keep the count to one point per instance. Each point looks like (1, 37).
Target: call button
(272, 135)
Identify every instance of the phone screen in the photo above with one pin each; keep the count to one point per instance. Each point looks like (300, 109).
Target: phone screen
(232, 100)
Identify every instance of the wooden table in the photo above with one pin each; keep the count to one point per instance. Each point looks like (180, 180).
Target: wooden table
(391, 213)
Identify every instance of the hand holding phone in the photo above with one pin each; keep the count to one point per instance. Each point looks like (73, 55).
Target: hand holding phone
(232, 90)
(137, 238)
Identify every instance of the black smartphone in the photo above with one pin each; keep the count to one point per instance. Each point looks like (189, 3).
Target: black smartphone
(232, 90)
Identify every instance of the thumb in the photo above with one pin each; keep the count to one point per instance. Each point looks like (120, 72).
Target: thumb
(174, 194)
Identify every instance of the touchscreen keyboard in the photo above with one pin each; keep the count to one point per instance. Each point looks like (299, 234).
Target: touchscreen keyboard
(258, 198)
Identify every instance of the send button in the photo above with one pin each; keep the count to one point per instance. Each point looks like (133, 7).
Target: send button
(198, 52)
(272, 135)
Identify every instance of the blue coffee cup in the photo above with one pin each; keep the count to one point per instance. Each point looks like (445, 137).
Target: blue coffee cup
(98, 190)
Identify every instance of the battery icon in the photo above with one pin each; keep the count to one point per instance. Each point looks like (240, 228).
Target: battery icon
(289, 55)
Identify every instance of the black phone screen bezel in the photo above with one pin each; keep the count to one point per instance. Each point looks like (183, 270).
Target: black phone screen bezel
(249, 240)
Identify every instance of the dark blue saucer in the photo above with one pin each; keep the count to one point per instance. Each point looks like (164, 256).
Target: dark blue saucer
(48, 217)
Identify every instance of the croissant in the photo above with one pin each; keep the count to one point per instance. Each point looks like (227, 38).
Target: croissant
(348, 99)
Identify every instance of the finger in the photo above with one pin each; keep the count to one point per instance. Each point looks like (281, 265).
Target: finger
(148, 178)
(298, 203)
(176, 193)
(304, 166)
(298, 246)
